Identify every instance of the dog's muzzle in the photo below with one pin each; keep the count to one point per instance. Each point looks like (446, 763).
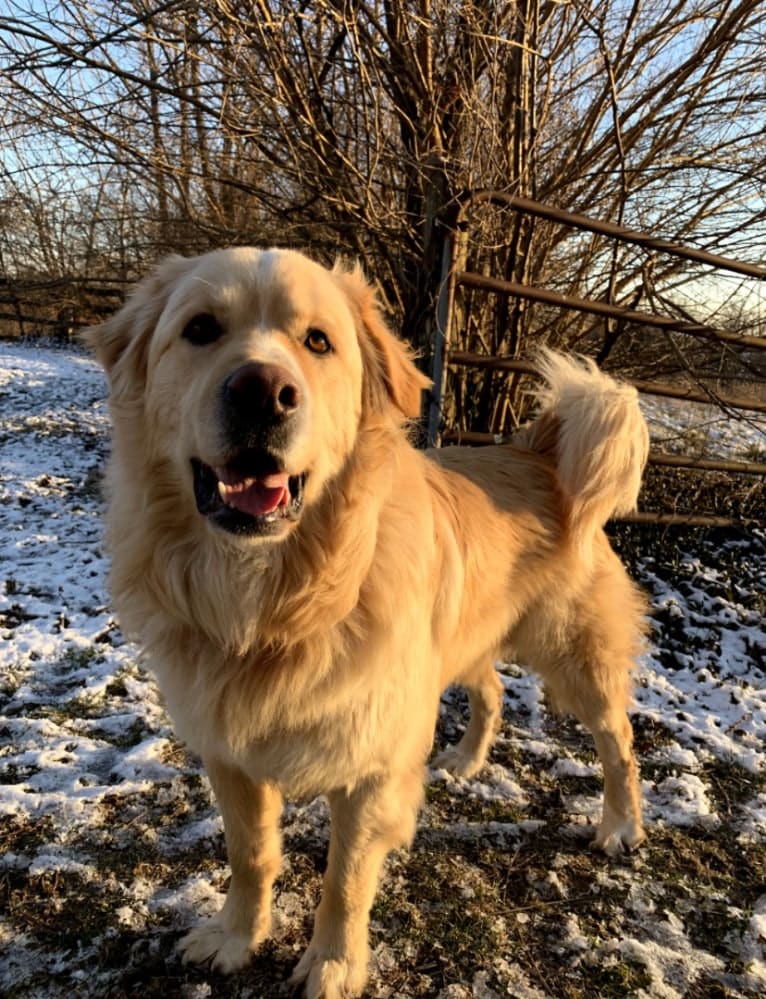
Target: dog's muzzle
(243, 498)
(250, 492)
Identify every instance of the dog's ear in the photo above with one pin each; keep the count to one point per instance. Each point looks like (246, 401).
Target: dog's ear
(121, 342)
(390, 376)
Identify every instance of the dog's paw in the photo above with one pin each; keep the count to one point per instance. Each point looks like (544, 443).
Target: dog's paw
(458, 762)
(226, 951)
(616, 837)
(324, 977)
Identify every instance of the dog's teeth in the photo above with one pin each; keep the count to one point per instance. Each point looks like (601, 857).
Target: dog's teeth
(228, 488)
(226, 491)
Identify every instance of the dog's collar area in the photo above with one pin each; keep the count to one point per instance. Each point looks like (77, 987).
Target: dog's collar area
(251, 495)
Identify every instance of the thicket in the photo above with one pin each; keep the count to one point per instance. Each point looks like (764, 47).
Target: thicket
(135, 128)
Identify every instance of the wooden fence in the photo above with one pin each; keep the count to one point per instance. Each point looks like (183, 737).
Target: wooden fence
(55, 307)
(446, 358)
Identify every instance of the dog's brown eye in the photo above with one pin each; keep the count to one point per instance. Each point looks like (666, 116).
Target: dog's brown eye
(318, 342)
(202, 329)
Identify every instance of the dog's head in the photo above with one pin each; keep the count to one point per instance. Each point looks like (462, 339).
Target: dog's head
(250, 373)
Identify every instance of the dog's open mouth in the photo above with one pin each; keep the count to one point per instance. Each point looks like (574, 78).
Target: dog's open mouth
(250, 495)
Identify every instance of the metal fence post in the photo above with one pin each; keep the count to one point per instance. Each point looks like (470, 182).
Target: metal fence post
(444, 315)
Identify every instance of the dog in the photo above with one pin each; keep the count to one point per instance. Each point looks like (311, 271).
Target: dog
(306, 583)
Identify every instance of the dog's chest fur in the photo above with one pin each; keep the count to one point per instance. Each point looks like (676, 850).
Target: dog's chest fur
(282, 716)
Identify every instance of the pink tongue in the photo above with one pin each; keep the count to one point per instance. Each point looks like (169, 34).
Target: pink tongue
(256, 497)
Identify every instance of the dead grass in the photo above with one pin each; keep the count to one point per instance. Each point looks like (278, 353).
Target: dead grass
(497, 897)
(473, 897)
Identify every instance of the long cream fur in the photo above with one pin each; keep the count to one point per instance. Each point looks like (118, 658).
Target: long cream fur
(312, 663)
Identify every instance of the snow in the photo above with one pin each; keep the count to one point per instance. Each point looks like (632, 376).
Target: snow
(83, 735)
(675, 426)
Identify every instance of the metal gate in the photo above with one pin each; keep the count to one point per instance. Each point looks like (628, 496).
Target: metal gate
(446, 358)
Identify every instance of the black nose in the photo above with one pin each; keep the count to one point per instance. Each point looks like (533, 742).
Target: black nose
(261, 394)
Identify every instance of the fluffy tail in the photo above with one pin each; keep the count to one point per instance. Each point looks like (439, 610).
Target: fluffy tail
(594, 427)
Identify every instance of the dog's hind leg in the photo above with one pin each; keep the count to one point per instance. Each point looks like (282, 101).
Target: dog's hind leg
(377, 816)
(621, 826)
(485, 700)
(598, 696)
(251, 814)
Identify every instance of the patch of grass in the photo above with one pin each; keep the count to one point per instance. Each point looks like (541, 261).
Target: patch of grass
(13, 616)
(564, 730)
(507, 753)
(135, 733)
(116, 688)
(730, 784)
(620, 979)
(699, 864)
(17, 773)
(59, 909)
(713, 925)
(706, 987)
(85, 705)
(79, 657)
(123, 865)
(449, 932)
(176, 754)
(25, 836)
(446, 807)
(649, 734)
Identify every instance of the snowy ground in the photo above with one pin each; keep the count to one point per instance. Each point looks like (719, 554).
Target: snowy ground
(110, 843)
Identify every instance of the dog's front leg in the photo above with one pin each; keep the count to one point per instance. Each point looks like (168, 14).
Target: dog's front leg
(376, 817)
(251, 814)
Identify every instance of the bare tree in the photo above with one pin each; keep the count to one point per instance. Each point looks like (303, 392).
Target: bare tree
(355, 126)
